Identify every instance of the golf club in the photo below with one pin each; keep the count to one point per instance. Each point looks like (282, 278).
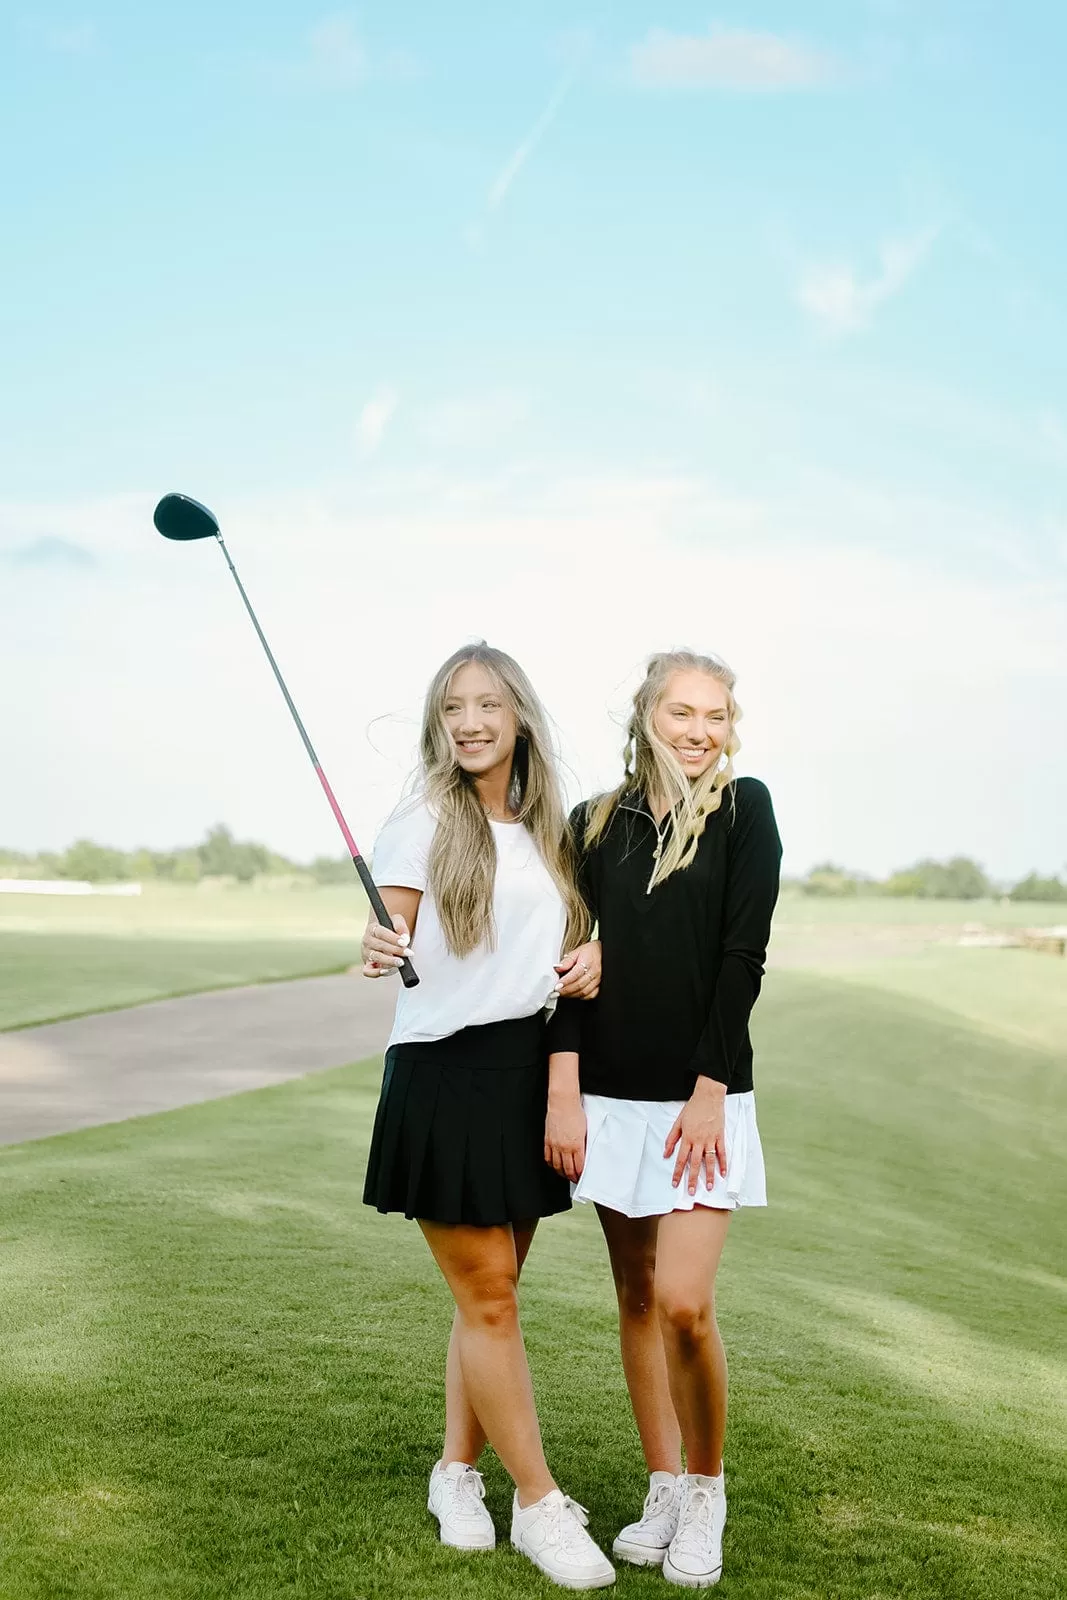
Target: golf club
(179, 517)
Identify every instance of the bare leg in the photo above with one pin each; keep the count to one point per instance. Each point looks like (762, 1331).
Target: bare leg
(480, 1266)
(464, 1434)
(687, 1256)
(631, 1245)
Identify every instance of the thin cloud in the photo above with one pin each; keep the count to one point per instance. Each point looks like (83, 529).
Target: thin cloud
(1052, 435)
(92, 530)
(519, 157)
(808, 578)
(75, 39)
(330, 56)
(374, 419)
(842, 303)
(474, 422)
(335, 54)
(51, 552)
(727, 58)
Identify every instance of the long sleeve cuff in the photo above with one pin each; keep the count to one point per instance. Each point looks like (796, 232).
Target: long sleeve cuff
(565, 1026)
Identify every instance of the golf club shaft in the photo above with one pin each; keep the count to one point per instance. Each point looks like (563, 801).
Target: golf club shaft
(408, 975)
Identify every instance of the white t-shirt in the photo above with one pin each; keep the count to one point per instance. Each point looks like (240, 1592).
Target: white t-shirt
(513, 979)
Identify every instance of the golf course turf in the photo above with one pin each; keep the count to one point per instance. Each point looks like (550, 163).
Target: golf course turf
(63, 957)
(220, 1375)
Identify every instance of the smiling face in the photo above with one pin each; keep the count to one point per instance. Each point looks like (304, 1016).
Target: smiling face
(479, 720)
(693, 720)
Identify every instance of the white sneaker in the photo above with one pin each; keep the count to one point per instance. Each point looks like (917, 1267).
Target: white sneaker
(694, 1558)
(456, 1495)
(552, 1533)
(644, 1543)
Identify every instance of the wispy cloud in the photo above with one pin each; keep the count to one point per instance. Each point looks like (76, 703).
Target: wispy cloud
(335, 56)
(109, 531)
(472, 422)
(51, 551)
(727, 58)
(374, 418)
(70, 39)
(810, 576)
(330, 56)
(1052, 434)
(842, 303)
(525, 149)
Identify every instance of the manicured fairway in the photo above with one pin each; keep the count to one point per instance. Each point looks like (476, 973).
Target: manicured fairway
(61, 957)
(47, 976)
(219, 1374)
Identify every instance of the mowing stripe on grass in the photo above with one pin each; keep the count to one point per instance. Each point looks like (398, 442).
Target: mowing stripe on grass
(50, 977)
(221, 1375)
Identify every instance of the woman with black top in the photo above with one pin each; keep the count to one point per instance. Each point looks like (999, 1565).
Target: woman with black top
(651, 1110)
(475, 868)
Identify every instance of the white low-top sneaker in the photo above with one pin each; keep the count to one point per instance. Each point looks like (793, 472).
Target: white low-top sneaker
(552, 1533)
(455, 1499)
(644, 1543)
(694, 1558)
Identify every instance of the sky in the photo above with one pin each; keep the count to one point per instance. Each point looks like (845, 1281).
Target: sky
(591, 332)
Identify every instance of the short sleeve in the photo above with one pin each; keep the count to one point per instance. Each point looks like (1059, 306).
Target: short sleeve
(402, 849)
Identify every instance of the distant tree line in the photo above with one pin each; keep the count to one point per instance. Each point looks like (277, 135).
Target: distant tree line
(958, 879)
(218, 855)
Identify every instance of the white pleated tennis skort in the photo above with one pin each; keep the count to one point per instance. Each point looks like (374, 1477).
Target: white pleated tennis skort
(625, 1168)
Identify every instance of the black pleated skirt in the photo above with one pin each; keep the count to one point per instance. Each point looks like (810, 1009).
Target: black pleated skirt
(459, 1135)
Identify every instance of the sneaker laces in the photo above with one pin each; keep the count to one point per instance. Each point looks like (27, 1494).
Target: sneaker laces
(470, 1492)
(694, 1524)
(567, 1522)
(657, 1501)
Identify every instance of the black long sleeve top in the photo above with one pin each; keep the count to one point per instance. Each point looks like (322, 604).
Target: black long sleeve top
(683, 963)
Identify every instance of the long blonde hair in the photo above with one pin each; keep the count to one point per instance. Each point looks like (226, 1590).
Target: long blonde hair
(462, 869)
(650, 768)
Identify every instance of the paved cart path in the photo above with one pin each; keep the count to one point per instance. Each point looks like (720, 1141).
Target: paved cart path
(171, 1053)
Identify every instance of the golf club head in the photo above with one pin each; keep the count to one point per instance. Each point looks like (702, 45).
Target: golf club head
(178, 516)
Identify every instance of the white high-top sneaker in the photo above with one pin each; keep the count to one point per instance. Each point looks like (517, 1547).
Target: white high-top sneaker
(552, 1534)
(455, 1499)
(644, 1543)
(694, 1558)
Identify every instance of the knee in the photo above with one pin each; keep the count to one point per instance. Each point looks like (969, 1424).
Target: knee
(685, 1316)
(490, 1302)
(635, 1286)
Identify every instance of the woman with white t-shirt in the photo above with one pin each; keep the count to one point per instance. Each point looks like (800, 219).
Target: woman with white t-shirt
(476, 870)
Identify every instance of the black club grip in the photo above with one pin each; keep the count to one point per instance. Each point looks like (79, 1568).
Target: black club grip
(408, 976)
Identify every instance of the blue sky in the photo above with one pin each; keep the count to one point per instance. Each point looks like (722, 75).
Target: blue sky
(590, 331)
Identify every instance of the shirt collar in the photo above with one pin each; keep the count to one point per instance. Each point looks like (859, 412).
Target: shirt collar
(634, 800)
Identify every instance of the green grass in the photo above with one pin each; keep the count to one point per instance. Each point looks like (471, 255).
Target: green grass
(48, 976)
(63, 957)
(191, 911)
(220, 1374)
(817, 910)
